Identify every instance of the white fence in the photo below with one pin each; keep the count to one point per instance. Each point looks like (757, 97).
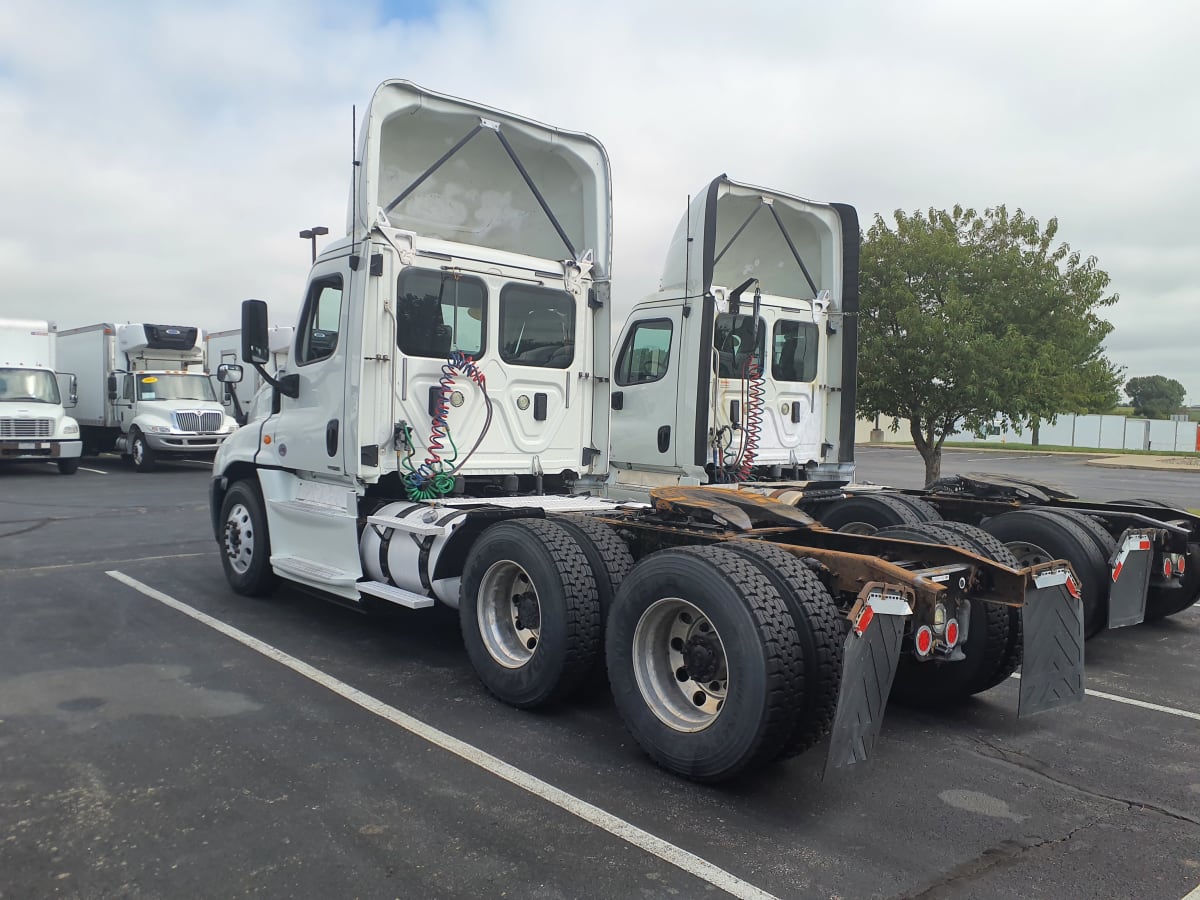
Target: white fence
(1099, 432)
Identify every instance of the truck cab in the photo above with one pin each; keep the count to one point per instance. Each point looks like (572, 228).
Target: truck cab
(453, 344)
(34, 425)
(734, 371)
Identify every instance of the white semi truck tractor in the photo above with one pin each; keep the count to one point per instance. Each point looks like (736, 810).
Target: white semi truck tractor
(752, 387)
(34, 425)
(144, 392)
(441, 437)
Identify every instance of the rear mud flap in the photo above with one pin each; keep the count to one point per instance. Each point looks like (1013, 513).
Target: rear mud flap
(1052, 666)
(1130, 569)
(868, 668)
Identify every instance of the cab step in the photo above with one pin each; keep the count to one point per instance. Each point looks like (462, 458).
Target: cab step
(393, 594)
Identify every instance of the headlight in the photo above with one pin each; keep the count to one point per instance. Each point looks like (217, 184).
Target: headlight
(70, 429)
(159, 429)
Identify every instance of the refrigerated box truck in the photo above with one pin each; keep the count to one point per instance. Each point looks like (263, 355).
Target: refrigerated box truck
(144, 392)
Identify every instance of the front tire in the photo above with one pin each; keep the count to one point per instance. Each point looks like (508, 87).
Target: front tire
(142, 456)
(246, 541)
(529, 612)
(68, 466)
(703, 662)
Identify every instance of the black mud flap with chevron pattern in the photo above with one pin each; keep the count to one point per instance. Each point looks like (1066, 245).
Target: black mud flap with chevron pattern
(1052, 665)
(868, 668)
(1130, 568)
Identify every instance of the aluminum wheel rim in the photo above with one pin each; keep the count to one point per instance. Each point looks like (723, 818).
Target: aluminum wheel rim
(507, 600)
(239, 538)
(139, 452)
(858, 528)
(660, 665)
(1028, 554)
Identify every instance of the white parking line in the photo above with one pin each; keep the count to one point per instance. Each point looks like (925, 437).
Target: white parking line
(1193, 894)
(82, 469)
(1130, 701)
(664, 850)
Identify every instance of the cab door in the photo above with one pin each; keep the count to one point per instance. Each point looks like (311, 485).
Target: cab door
(309, 433)
(645, 392)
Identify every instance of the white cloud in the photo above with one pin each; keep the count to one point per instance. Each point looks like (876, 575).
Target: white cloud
(158, 160)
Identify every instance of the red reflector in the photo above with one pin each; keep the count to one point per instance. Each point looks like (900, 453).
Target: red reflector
(1116, 573)
(924, 640)
(863, 620)
(1073, 586)
(951, 632)
(1144, 544)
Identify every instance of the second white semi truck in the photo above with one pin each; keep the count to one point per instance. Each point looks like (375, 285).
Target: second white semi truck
(144, 392)
(34, 425)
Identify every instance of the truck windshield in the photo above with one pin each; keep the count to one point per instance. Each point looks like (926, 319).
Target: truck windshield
(29, 386)
(175, 387)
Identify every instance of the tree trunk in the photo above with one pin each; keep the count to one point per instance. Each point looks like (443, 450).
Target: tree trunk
(933, 464)
(929, 446)
(1036, 427)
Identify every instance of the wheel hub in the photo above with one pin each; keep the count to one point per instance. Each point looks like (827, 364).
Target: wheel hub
(509, 614)
(529, 613)
(239, 538)
(702, 657)
(680, 664)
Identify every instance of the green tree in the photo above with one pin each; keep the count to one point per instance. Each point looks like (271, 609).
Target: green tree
(966, 318)
(1155, 396)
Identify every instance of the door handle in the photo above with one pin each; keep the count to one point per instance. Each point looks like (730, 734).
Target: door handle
(664, 438)
(618, 400)
(331, 437)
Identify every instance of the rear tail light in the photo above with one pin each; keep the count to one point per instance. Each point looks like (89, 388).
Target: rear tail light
(1180, 563)
(1167, 568)
(924, 640)
(952, 633)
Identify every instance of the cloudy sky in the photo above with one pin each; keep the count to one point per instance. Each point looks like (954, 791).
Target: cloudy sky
(158, 159)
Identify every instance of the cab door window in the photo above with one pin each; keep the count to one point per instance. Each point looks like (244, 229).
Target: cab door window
(318, 335)
(646, 354)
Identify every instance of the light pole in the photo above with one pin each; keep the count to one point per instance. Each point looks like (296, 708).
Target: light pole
(311, 234)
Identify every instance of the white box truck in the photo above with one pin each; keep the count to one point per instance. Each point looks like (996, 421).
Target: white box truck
(34, 424)
(144, 392)
(247, 400)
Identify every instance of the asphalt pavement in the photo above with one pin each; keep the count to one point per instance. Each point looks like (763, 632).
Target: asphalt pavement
(163, 737)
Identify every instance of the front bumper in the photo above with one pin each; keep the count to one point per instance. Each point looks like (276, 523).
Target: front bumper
(40, 448)
(184, 443)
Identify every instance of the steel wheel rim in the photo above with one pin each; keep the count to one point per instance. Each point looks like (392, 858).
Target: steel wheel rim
(682, 700)
(1028, 554)
(139, 452)
(239, 538)
(509, 613)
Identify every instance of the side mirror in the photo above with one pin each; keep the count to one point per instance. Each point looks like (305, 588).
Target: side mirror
(254, 333)
(71, 391)
(112, 387)
(229, 373)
